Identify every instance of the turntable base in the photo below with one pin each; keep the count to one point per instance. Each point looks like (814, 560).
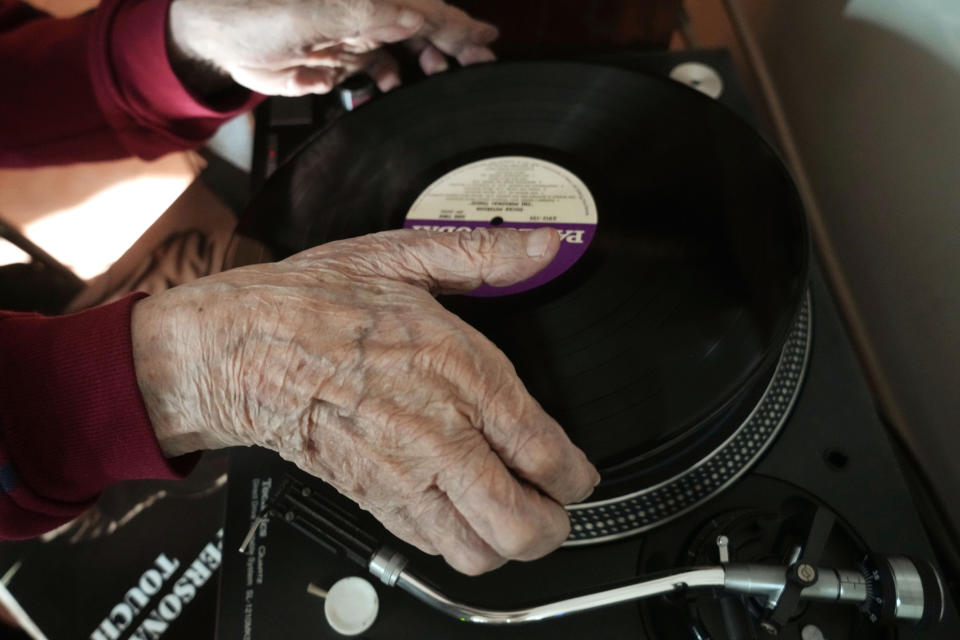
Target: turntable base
(832, 452)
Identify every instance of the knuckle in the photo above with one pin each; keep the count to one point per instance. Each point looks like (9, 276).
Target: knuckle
(541, 456)
(444, 344)
(501, 388)
(533, 536)
(450, 452)
(481, 244)
(466, 469)
(524, 541)
(557, 535)
(449, 353)
(506, 404)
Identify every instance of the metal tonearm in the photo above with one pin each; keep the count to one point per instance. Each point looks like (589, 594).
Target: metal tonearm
(916, 599)
(886, 589)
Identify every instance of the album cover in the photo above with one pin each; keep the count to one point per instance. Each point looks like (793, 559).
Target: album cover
(143, 563)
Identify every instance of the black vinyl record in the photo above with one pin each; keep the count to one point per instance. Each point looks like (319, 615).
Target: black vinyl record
(656, 344)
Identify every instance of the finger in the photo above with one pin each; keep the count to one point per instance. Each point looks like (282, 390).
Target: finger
(383, 22)
(530, 442)
(453, 31)
(383, 69)
(449, 262)
(475, 55)
(291, 82)
(453, 537)
(514, 519)
(378, 64)
(449, 29)
(314, 80)
(430, 58)
(409, 530)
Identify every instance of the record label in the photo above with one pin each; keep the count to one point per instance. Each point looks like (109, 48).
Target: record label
(516, 192)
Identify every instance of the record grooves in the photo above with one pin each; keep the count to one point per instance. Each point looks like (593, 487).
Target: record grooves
(598, 521)
(655, 345)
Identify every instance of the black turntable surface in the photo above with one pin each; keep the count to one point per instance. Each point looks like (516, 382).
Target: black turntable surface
(681, 349)
(833, 453)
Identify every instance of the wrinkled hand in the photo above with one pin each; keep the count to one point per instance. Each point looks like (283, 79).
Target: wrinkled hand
(340, 359)
(296, 47)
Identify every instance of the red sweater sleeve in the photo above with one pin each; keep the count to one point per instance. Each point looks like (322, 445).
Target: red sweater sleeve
(72, 420)
(97, 86)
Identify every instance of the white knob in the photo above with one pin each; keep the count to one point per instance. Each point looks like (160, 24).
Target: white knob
(351, 606)
(811, 632)
(699, 76)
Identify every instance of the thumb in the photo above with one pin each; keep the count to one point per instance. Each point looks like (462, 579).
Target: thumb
(451, 262)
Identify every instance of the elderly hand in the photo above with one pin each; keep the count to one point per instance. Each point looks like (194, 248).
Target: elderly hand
(340, 359)
(296, 47)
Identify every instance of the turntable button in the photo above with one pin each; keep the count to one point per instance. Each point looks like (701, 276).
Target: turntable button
(811, 632)
(351, 606)
(698, 76)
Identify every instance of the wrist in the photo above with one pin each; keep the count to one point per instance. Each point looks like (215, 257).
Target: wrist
(164, 380)
(199, 73)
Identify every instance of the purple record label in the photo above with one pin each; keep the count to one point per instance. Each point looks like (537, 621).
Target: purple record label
(513, 192)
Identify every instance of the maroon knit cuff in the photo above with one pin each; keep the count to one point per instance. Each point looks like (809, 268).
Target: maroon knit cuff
(72, 420)
(141, 96)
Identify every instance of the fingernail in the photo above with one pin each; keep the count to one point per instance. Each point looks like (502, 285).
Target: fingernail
(439, 65)
(475, 55)
(538, 241)
(586, 495)
(409, 19)
(432, 61)
(388, 82)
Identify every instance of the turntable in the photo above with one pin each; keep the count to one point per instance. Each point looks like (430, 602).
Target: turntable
(683, 337)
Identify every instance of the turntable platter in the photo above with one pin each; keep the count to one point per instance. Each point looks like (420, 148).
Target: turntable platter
(653, 345)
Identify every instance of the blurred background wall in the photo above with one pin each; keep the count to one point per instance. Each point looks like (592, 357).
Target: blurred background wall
(866, 96)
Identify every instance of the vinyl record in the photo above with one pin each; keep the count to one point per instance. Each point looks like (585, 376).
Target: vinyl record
(654, 335)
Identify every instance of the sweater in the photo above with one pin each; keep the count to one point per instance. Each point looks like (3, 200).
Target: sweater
(94, 87)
